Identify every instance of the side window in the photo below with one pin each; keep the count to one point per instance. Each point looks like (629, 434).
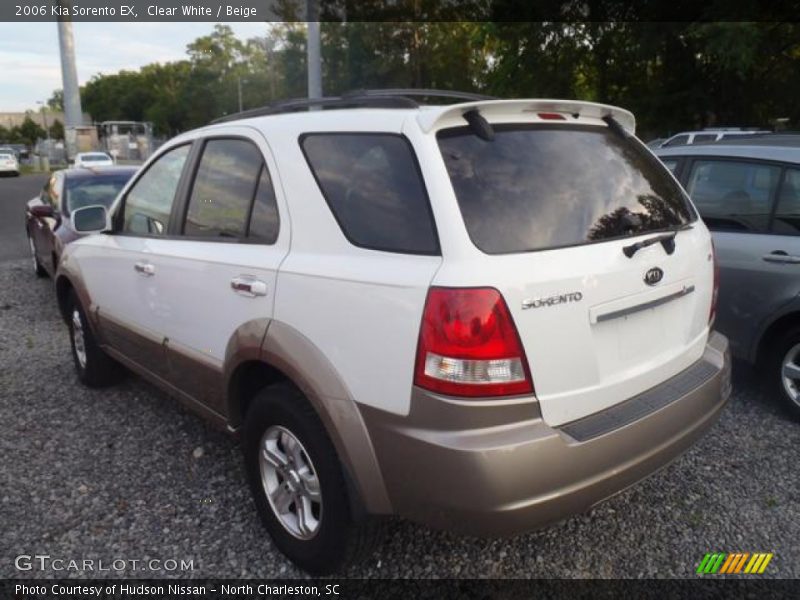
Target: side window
(374, 188)
(149, 202)
(680, 140)
(787, 213)
(57, 191)
(223, 189)
(47, 195)
(733, 195)
(264, 221)
(670, 163)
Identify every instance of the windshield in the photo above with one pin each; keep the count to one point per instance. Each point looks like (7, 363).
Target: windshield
(96, 190)
(537, 187)
(94, 157)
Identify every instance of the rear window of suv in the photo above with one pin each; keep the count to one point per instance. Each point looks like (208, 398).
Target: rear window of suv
(539, 187)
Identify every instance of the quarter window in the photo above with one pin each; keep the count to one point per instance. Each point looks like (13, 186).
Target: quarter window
(733, 195)
(223, 190)
(374, 188)
(264, 218)
(787, 214)
(149, 202)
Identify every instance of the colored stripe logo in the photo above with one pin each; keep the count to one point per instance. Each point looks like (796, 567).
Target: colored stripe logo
(719, 563)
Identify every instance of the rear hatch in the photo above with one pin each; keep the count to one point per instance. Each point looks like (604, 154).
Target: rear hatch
(558, 213)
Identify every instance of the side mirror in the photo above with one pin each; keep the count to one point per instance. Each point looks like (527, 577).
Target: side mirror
(42, 210)
(91, 219)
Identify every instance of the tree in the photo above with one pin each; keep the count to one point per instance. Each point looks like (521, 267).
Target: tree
(57, 130)
(56, 101)
(29, 131)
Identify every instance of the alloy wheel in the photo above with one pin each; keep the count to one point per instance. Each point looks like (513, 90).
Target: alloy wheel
(290, 482)
(790, 373)
(77, 338)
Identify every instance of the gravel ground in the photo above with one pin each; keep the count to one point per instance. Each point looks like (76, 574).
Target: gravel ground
(127, 473)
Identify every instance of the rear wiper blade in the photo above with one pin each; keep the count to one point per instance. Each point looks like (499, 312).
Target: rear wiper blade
(667, 240)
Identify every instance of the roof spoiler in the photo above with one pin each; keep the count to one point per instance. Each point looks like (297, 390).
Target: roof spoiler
(432, 118)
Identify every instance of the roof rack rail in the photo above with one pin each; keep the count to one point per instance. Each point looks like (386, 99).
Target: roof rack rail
(418, 93)
(299, 104)
(388, 98)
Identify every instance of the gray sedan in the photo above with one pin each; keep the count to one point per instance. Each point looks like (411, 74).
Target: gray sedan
(748, 193)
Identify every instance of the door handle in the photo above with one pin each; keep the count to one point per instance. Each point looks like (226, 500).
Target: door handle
(145, 268)
(248, 286)
(779, 256)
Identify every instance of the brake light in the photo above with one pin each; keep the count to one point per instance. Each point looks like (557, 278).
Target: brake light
(551, 116)
(715, 291)
(469, 346)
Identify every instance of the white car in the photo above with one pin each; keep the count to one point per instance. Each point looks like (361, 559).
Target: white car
(485, 316)
(93, 159)
(9, 163)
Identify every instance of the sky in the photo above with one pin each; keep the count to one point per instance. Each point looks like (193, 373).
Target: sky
(30, 67)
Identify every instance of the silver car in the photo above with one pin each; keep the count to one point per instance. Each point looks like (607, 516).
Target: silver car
(748, 193)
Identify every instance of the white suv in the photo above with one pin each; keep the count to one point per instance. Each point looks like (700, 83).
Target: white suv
(483, 316)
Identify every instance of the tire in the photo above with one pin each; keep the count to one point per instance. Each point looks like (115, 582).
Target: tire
(37, 266)
(95, 368)
(786, 353)
(336, 539)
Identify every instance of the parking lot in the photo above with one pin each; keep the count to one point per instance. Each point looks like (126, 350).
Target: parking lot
(127, 473)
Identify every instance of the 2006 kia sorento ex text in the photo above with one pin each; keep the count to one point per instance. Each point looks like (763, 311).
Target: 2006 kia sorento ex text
(484, 316)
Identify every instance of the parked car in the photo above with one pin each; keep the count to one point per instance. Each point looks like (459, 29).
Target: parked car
(749, 196)
(9, 163)
(705, 136)
(47, 216)
(93, 159)
(491, 315)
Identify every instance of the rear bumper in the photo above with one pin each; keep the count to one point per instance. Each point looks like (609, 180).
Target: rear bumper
(495, 468)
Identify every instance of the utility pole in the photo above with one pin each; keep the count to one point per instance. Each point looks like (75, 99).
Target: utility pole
(313, 53)
(73, 115)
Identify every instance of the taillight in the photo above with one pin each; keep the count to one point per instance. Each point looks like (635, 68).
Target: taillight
(546, 116)
(715, 290)
(469, 346)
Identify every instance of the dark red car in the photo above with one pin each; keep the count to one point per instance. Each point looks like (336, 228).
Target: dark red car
(47, 215)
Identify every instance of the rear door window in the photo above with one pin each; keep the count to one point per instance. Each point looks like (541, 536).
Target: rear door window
(733, 195)
(787, 213)
(223, 189)
(670, 163)
(374, 188)
(539, 187)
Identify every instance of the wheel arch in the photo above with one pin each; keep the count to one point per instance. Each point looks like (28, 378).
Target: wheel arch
(287, 355)
(772, 332)
(63, 289)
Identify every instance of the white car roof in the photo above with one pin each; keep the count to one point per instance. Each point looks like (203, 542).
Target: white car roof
(427, 117)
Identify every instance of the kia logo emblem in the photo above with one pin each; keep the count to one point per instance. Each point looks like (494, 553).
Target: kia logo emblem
(653, 276)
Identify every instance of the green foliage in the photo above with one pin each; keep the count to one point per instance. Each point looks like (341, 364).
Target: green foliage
(56, 101)
(57, 130)
(28, 132)
(673, 76)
